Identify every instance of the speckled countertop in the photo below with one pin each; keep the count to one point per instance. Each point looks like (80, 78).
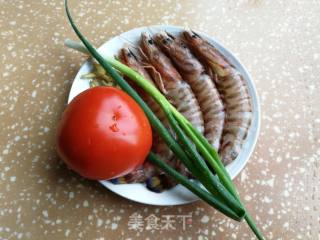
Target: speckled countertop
(278, 41)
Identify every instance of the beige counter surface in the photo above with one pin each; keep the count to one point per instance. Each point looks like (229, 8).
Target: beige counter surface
(279, 43)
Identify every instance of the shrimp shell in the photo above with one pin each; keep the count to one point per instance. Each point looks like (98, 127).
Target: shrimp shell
(234, 92)
(203, 88)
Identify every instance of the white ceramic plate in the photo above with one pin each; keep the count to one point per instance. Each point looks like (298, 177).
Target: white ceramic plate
(177, 195)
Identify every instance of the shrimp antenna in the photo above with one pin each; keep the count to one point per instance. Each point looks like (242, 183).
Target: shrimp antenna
(170, 35)
(187, 29)
(128, 41)
(154, 29)
(195, 33)
(146, 34)
(133, 54)
(150, 31)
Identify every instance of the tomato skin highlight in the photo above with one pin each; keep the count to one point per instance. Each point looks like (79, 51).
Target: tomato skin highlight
(103, 134)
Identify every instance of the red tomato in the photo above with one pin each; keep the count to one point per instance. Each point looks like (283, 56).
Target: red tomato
(103, 134)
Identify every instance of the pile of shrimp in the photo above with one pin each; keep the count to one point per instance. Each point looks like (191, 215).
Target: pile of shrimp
(202, 84)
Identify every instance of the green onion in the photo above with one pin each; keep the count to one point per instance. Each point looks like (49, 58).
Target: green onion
(193, 187)
(224, 195)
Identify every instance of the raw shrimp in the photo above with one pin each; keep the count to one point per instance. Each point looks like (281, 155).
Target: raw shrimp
(178, 91)
(128, 58)
(203, 88)
(148, 173)
(234, 93)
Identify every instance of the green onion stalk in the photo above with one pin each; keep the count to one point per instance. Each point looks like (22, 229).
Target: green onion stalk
(224, 196)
